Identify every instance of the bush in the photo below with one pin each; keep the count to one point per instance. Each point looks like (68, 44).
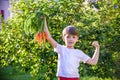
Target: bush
(21, 51)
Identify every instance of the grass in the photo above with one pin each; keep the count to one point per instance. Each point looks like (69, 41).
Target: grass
(11, 73)
(96, 78)
(17, 77)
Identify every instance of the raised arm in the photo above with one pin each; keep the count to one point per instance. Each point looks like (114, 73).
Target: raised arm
(49, 38)
(94, 59)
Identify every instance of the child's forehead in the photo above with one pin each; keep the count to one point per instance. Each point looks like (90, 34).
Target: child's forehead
(70, 35)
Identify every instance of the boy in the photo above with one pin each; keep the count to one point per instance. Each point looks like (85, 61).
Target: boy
(69, 57)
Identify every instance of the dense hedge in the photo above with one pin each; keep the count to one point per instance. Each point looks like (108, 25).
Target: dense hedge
(20, 50)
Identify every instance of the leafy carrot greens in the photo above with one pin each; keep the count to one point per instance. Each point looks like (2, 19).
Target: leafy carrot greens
(35, 25)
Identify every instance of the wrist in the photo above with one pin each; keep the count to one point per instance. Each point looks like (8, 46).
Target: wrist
(97, 48)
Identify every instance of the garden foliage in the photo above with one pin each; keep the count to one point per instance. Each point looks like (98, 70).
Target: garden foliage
(95, 21)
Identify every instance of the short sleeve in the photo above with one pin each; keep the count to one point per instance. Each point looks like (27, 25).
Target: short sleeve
(58, 48)
(84, 57)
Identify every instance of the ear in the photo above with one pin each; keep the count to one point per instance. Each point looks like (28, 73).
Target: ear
(77, 39)
(63, 38)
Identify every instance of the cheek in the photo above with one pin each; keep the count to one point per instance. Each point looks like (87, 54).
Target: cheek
(65, 39)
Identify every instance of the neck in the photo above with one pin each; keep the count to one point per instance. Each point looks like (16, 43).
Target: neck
(70, 47)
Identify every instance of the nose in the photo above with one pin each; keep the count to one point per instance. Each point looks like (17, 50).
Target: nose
(71, 38)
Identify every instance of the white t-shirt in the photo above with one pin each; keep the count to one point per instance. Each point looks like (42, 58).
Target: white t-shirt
(69, 60)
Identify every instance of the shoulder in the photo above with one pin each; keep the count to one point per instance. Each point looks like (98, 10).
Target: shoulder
(79, 51)
(58, 48)
(59, 45)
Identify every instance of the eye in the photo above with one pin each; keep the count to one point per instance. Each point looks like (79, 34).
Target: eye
(68, 36)
(74, 36)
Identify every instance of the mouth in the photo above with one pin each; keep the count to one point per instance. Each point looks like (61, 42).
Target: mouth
(70, 42)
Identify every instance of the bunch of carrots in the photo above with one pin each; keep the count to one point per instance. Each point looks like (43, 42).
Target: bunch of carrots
(34, 24)
(41, 38)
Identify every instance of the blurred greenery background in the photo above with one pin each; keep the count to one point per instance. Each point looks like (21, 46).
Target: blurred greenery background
(21, 58)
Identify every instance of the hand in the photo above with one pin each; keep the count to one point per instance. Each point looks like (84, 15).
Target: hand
(95, 44)
(43, 17)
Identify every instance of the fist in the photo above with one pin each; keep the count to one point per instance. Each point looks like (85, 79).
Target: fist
(42, 17)
(95, 44)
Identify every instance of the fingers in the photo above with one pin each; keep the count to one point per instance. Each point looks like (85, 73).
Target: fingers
(95, 42)
(43, 17)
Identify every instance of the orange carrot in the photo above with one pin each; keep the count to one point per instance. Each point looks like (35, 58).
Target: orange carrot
(44, 36)
(38, 37)
(41, 38)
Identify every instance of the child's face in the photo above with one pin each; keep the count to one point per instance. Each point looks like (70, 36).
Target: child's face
(70, 40)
